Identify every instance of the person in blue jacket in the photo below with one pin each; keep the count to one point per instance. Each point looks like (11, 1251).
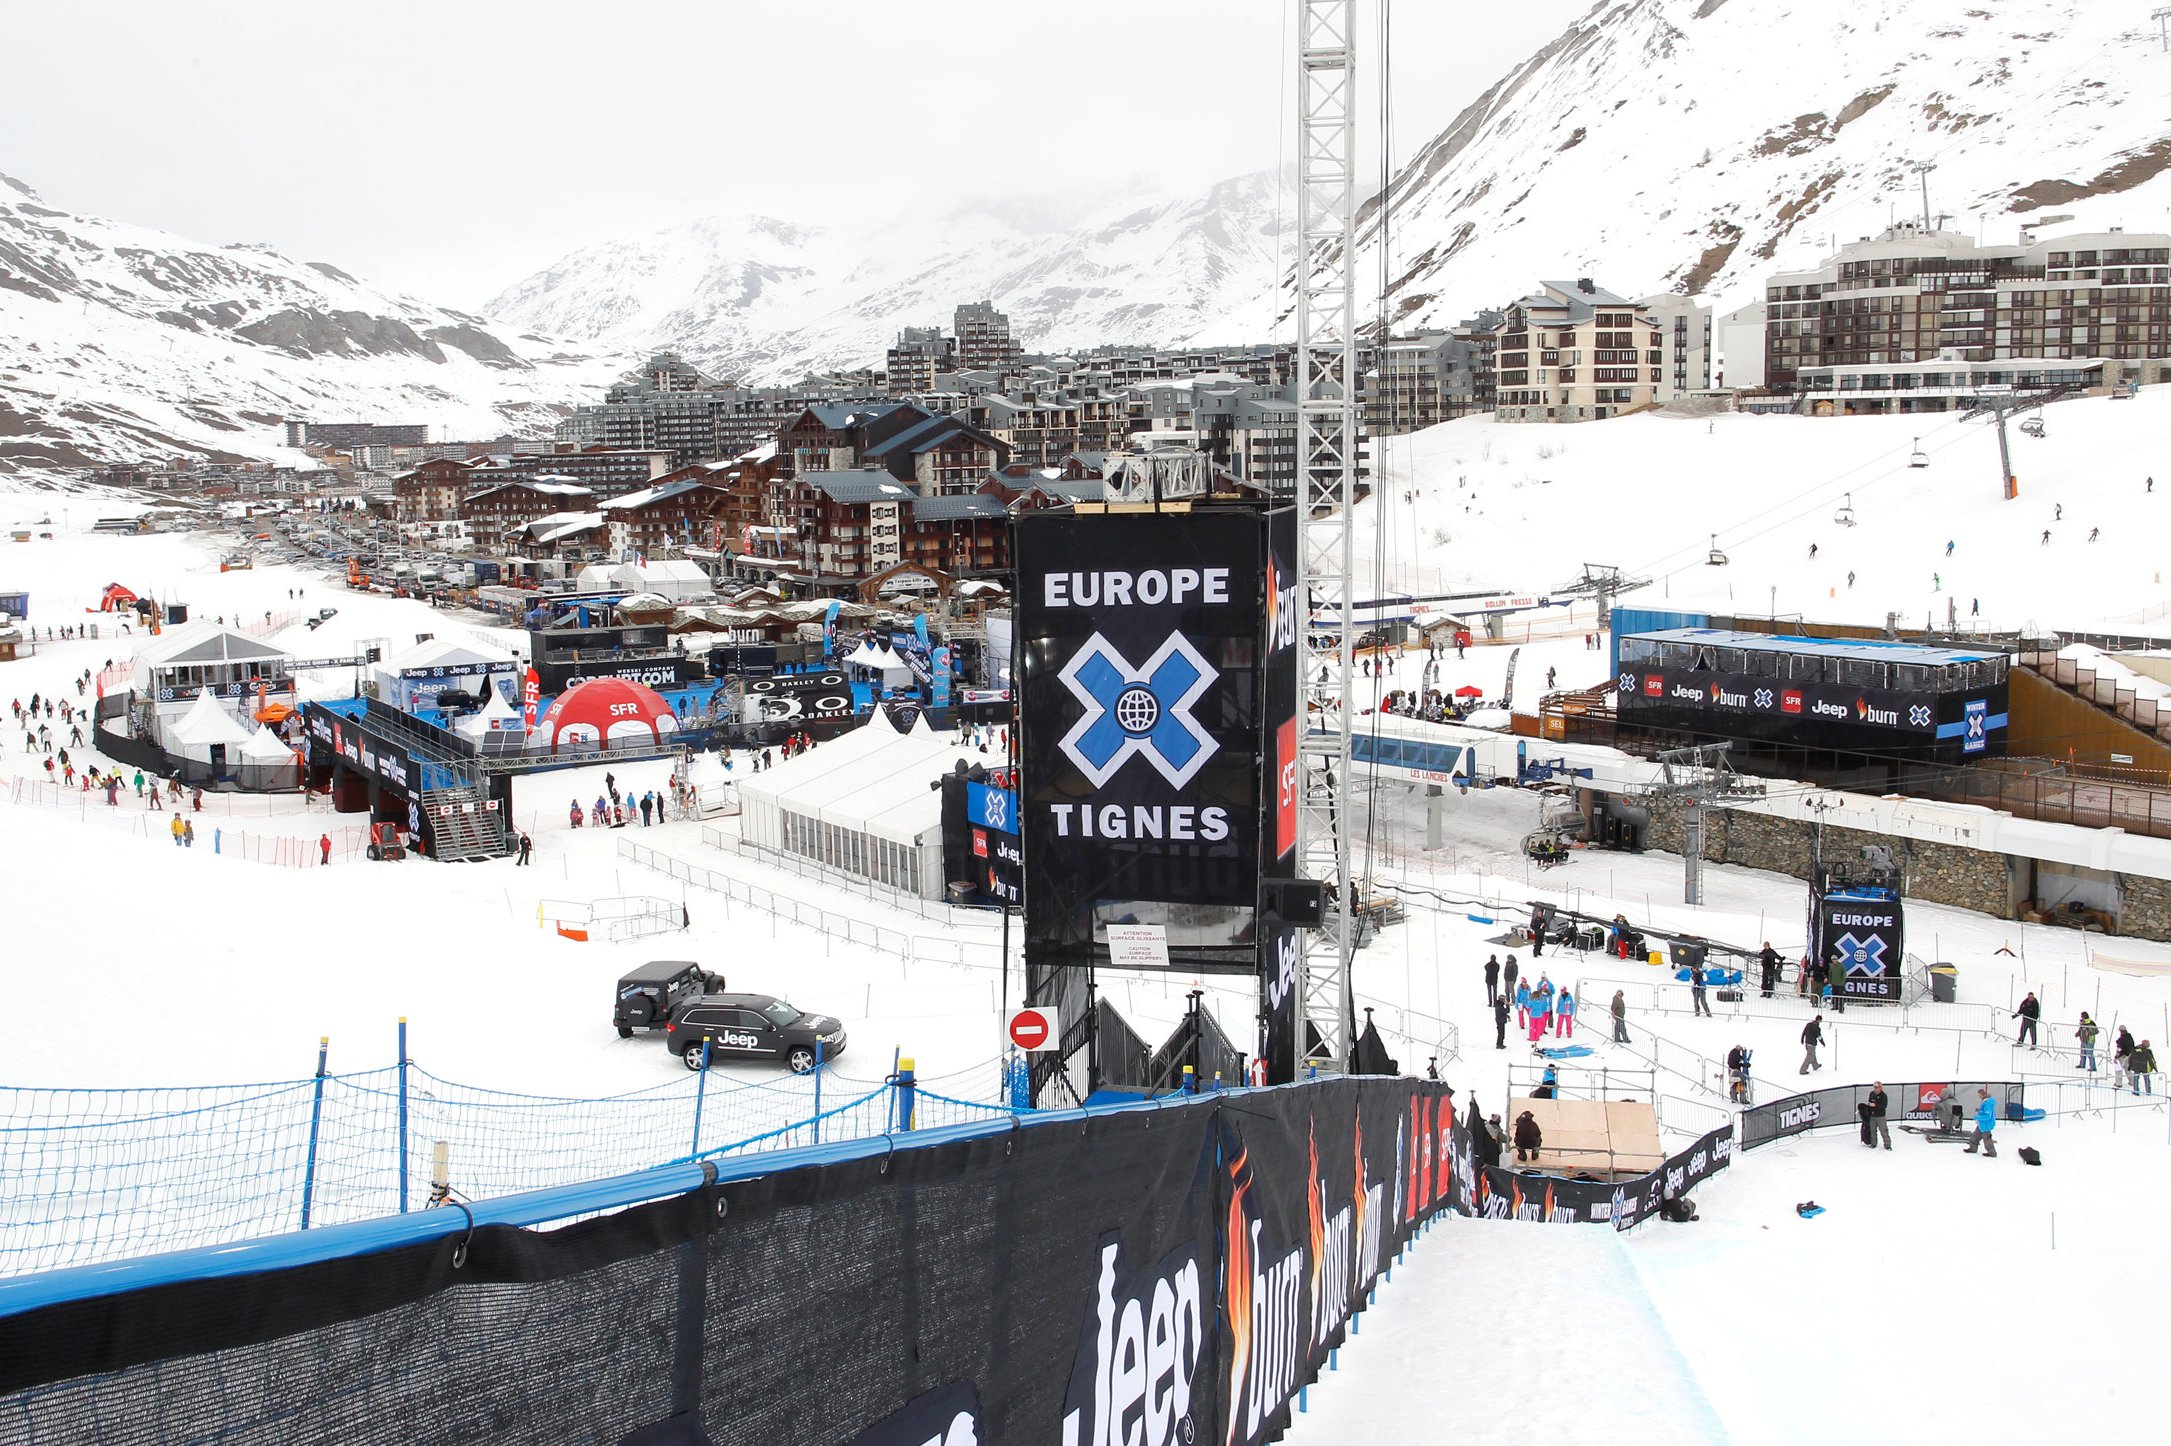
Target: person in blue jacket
(1522, 1005)
(1986, 1122)
(1564, 1015)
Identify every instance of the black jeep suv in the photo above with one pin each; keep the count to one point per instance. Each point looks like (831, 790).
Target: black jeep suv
(752, 1026)
(648, 994)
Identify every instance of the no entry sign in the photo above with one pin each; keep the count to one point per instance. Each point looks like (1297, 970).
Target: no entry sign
(1033, 1029)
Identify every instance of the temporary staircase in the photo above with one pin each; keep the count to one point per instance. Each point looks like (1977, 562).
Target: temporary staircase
(463, 824)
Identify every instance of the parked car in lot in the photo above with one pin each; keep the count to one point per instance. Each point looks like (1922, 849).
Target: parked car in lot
(649, 993)
(752, 1026)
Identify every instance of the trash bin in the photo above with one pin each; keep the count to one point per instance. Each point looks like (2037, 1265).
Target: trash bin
(1944, 984)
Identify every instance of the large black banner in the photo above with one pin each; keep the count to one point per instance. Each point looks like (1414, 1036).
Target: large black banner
(1858, 932)
(1140, 711)
(1508, 1194)
(1140, 1278)
(1952, 727)
(1834, 1108)
(1280, 945)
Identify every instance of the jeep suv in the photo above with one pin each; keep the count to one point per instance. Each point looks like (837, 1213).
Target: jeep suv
(647, 995)
(752, 1026)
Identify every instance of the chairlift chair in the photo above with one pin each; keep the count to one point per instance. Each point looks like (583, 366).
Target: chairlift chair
(1920, 457)
(1717, 558)
(1845, 515)
(2033, 426)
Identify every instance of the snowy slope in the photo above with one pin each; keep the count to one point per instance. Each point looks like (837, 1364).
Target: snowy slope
(122, 343)
(1697, 145)
(1476, 504)
(767, 301)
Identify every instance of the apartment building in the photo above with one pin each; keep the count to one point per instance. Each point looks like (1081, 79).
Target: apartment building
(1573, 351)
(983, 338)
(495, 510)
(668, 514)
(921, 354)
(1432, 376)
(1887, 310)
(606, 471)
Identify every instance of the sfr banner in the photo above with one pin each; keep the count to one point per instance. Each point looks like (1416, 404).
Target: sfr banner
(1140, 642)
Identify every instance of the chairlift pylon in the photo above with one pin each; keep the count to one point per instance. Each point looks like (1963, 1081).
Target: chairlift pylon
(1717, 558)
(1920, 457)
(1845, 515)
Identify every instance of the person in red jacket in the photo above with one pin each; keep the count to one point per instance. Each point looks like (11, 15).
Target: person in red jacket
(324, 848)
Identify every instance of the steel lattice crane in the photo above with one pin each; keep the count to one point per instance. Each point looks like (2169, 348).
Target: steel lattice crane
(1327, 445)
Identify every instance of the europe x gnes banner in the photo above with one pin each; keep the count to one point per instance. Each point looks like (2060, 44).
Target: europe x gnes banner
(1140, 728)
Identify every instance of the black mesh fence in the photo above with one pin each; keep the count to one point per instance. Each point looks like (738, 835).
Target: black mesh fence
(1834, 1108)
(1160, 1273)
(1124, 1059)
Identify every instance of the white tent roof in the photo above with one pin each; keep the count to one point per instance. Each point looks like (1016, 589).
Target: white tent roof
(204, 724)
(493, 713)
(444, 653)
(202, 644)
(266, 746)
(873, 780)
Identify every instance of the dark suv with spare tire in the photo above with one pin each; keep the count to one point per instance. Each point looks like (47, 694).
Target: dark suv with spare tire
(648, 994)
(752, 1026)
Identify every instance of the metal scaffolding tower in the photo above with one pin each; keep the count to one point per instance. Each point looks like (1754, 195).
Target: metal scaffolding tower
(1327, 442)
(1701, 777)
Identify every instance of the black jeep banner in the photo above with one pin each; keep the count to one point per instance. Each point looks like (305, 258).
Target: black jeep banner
(1140, 711)
(1916, 723)
(1280, 946)
(1508, 1194)
(1859, 933)
(1139, 1278)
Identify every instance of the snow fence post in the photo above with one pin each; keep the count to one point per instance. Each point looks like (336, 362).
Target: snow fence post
(403, 1114)
(817, 1091)
(316, 1120)
(701, 1093)
(904, 1093)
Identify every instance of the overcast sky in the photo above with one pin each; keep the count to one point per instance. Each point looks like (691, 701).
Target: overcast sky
(450, 147)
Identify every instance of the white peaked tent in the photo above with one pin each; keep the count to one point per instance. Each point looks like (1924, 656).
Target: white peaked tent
(206, 725)
(882, 661)
(496, 716)
(267, 761)
(860, 804)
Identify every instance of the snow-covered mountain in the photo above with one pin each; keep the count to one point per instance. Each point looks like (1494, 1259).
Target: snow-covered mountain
(1656, 144)
(766, 301)
(1698, 145)
(118, 342)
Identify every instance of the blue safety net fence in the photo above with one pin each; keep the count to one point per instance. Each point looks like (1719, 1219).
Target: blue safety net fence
(89, 1175)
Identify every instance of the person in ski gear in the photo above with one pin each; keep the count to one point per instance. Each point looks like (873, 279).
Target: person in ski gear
(577, 815)
(1768, 967)
(1541, 1016)
(1507, 976)
(324, 849)
(1877, 1103)
(2086, 1034)
(179, 824)
(2141, 1064)
(2028, 1013)
(1986, 1124)
(1812, 1036)
(2121, 1057)
(1564, 1016)
(1696, 990)
(1500, 1022)
(1737, 1074)
(1522, 1005)
(1492, 979)
(648, 802)
(1548, 1084)
(527, 847)
(1620, 1016)
(188, 835)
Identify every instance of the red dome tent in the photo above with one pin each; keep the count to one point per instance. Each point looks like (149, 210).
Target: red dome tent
(604, 712)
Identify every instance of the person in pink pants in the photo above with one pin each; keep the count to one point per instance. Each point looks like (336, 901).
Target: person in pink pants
(1564, 1016)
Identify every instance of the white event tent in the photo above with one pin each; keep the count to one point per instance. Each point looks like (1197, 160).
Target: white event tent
(862, 804)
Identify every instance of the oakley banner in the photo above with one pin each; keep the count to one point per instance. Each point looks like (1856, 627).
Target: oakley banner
(1140, 715)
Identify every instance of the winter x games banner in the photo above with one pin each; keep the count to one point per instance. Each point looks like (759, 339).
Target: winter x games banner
(1140, 639)
(1858, 933)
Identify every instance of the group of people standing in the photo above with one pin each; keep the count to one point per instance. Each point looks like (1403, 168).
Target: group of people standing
(1539, 1009)
(615, 810)
(2133, 1066)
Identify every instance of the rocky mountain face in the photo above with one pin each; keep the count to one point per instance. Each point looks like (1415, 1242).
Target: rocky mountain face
(1698, 145)
(122, 343)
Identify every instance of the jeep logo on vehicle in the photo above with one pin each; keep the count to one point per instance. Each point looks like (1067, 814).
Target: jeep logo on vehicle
(735, 1039)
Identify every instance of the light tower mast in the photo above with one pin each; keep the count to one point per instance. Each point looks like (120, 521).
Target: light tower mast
(1327, 442)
